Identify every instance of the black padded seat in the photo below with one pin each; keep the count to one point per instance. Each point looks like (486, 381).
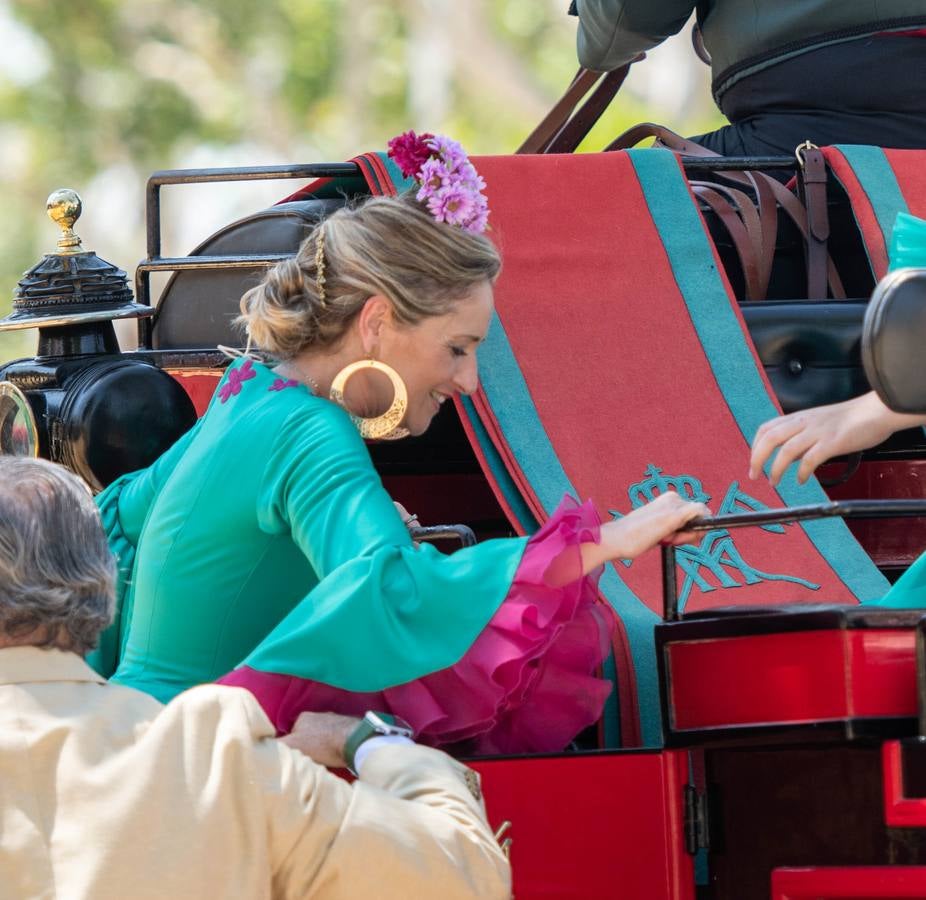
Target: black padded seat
(810, 350)
(197, 307)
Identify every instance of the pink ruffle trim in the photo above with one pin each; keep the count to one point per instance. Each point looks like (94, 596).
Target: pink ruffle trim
(528, 682)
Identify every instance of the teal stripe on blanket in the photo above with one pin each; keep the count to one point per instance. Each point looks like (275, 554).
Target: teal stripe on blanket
(730, 358)
(879, 183)
(399, 181)
(529, 524)
(503, 480)
(507, 392)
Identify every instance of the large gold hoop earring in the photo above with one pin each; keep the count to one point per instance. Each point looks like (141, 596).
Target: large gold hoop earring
(376, 428)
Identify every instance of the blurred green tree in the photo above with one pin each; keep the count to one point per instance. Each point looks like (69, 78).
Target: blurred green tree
(95, 94)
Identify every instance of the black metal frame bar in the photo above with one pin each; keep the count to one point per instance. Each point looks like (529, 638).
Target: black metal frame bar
(462, 533)
(209, 176)
(845, 509)
(156, 263)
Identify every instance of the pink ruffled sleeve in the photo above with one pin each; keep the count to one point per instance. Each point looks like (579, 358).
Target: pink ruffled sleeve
(530, 681)
(553, 612)
(553, 555)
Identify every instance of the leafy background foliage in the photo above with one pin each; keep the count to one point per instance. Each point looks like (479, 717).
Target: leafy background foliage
(96, 94)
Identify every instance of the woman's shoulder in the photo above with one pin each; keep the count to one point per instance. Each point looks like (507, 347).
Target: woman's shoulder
(253, 395)
(250, 385)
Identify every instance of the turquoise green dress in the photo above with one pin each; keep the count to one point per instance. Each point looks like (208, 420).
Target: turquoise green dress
(264, 537)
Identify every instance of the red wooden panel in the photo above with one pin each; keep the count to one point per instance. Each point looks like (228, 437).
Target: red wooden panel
(791, 677)
(592, 826)
(200, 384)
(461, 497)
(849, 883)
(899, 811)
(891, 542)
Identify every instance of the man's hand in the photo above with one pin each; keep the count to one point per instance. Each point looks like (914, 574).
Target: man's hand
(321, 737)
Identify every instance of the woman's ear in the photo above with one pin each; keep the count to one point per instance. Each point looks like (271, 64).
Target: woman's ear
(375, 316)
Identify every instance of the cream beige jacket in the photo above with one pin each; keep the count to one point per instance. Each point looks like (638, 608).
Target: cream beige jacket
(104, 793)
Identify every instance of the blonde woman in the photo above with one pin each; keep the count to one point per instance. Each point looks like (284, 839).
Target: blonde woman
(268, 549)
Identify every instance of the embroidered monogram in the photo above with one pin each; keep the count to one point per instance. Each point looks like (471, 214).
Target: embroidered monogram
(717, 555)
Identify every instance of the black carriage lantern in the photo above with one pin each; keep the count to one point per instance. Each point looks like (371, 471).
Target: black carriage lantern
(80, 401)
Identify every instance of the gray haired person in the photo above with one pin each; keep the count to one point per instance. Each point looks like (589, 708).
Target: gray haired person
(56, 570)
(105, 793)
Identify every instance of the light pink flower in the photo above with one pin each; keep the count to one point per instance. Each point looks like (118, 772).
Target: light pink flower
(471, 178)
(479, 220)
(433, 176)
(454, 205)
(448, 150)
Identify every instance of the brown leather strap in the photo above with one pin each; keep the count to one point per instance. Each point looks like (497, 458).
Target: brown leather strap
(570, 135)
(557, 117)
(762, 185)
(811, 181)
(724, 209)
(665, 136)
(760, 232)
(798, 214)
(768, 229)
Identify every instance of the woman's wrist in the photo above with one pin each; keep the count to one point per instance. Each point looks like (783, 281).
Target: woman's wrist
(610, 546)
(900, 421)
(888, 420)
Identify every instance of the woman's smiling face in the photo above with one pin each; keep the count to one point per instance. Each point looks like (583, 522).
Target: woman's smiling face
(437, 357)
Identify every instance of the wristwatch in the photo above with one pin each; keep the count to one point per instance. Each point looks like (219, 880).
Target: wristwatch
(374, 724)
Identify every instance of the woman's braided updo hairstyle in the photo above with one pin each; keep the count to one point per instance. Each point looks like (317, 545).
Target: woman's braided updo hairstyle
(386, 245)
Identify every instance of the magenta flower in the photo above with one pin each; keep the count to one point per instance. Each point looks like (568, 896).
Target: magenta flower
(236, 377)
(410, 151)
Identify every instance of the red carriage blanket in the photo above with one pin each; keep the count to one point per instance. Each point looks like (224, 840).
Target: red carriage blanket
(880, 183)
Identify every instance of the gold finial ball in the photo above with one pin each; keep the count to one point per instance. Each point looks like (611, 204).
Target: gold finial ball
(64, 207)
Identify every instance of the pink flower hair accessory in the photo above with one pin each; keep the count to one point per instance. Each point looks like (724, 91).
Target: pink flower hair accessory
(448, 183)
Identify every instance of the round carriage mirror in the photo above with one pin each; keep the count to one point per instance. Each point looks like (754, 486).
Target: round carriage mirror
(18, 433)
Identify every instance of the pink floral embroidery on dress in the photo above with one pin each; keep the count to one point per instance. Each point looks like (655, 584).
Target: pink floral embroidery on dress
(236, 377)
(279, 384)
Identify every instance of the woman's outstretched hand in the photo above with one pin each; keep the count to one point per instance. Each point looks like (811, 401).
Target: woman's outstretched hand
(659, 522)
(815, 435)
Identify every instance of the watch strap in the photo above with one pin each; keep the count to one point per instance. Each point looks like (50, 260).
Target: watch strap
(373, 724)
(363, 732)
